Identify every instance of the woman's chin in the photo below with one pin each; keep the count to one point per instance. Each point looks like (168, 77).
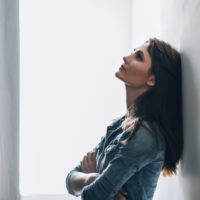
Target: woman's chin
(118, 75)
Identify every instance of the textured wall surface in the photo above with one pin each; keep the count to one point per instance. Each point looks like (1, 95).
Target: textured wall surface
(180, 20)
(9, 93)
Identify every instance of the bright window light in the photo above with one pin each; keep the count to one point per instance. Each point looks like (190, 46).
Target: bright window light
(70, 51)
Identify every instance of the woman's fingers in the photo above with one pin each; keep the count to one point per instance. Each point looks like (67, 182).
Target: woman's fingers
(91, 177)
(91, 157)
(88, 157)
(88, 163)
(121, 195)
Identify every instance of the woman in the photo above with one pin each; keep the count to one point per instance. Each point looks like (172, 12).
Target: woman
(148, 139)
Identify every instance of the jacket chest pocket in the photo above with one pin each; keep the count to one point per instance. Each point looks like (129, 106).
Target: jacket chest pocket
(109, 154)
(111, 148)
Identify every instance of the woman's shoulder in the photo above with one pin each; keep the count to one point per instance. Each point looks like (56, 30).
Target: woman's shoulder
(145, 141)
(118, 119)
(115, 121)
(155, 132)
(144, 133)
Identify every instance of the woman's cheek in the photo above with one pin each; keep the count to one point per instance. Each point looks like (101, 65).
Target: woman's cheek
(138, 78)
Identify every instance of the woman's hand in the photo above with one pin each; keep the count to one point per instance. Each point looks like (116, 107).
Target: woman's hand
(91, 177)
(88, 163)
(121, 195)
(79, 180)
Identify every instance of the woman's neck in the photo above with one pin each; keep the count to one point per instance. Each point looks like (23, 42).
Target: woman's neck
(131, 95)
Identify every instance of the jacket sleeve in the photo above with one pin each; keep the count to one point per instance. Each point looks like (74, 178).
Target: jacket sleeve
(68, 179)
(129, 159)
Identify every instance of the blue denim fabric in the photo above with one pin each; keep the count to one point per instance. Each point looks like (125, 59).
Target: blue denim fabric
(135, 167)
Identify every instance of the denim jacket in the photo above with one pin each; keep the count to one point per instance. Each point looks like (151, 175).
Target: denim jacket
(134, 167)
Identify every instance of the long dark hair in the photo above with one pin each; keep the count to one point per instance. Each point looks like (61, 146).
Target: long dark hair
(162, 105)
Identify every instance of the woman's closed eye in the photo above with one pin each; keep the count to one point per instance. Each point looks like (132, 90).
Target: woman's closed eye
(138, 55)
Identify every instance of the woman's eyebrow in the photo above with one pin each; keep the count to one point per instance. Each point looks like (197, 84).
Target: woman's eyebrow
(141, 52)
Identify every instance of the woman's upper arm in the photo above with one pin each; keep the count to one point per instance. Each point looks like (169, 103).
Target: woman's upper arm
(128, 160)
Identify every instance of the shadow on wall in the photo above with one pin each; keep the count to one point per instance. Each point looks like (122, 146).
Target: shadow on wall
(190, 164)
(190, 41)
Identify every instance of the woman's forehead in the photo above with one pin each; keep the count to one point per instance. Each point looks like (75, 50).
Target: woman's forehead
(142, 46)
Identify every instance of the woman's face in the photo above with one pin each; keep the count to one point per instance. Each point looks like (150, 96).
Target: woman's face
(135, 69)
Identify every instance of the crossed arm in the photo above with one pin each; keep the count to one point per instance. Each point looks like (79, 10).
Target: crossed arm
(88, 167)
(128, 160)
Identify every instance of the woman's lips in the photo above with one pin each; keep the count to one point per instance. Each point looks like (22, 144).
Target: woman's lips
(122, 67)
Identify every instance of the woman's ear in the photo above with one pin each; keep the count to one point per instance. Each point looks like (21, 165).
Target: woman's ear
(151, 80)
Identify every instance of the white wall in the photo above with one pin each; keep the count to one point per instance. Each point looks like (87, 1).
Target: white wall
(9, 100)
(146, 21)
(70, 51)
(181, 28)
